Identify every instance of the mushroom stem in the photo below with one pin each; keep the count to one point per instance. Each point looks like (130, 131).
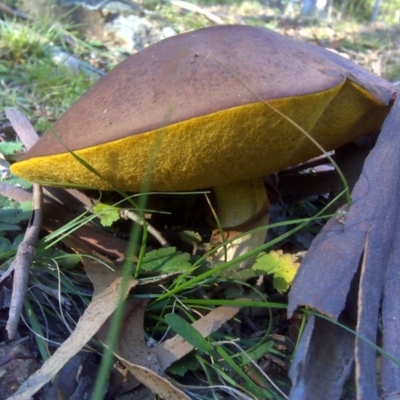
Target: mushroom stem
(241, 207)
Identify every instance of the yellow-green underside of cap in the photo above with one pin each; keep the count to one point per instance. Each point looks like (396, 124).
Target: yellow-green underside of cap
(219, 148)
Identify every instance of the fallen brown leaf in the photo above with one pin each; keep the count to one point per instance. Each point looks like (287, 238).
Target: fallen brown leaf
(131, 345)
(133, 353)
(176, 348)
(155, 382)
(322, 362)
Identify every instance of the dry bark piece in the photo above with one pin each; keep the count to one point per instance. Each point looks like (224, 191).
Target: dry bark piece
(322, 362)
(366, 236)
(391, 321)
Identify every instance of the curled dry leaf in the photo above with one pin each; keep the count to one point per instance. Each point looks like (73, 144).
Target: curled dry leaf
(133, 353)
(131, 345)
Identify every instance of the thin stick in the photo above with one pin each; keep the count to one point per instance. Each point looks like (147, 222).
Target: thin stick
(194, 8)
(22, 126)
(15, 13)
(26, 254)
(129, 214)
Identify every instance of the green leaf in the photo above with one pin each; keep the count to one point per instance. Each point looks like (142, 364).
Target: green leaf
(107, 214)
(4, 69)
(95, 43)
(26, 206)
(234, 293)
(259, 351)
(283, 267)
(6, 202)
(9, 148)
(188, 333)
(5, 245)
(9, 227)
(185, 364)
(12, 213)
(166, 260)
(66, 261)
(19, 182)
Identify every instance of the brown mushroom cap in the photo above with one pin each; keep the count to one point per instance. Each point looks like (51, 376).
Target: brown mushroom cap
(190, 111)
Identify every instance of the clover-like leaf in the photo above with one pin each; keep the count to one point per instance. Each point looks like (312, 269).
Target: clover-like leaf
(107, 214)
(282, 266)
(166, 260)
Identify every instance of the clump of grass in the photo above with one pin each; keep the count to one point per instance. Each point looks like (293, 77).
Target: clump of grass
(30, 77)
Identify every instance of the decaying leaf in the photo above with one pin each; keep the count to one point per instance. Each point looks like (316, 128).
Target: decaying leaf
(140, 360)
(136, 356)
(131, 346)
(16, 364)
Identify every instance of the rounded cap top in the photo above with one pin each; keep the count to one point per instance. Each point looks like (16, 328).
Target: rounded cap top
(197, 74)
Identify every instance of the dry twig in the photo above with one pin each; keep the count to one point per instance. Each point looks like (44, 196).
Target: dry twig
(128, 214)
(194, 8)
(23, 260)
(14, 13)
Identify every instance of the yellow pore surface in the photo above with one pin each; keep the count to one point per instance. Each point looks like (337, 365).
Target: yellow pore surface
(236, 144)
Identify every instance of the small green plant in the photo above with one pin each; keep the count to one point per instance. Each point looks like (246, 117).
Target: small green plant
(282, 267)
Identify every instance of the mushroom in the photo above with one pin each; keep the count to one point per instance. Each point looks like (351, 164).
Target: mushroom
(190, 112)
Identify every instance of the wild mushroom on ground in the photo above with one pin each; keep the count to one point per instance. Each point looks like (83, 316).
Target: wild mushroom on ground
(190, 113)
